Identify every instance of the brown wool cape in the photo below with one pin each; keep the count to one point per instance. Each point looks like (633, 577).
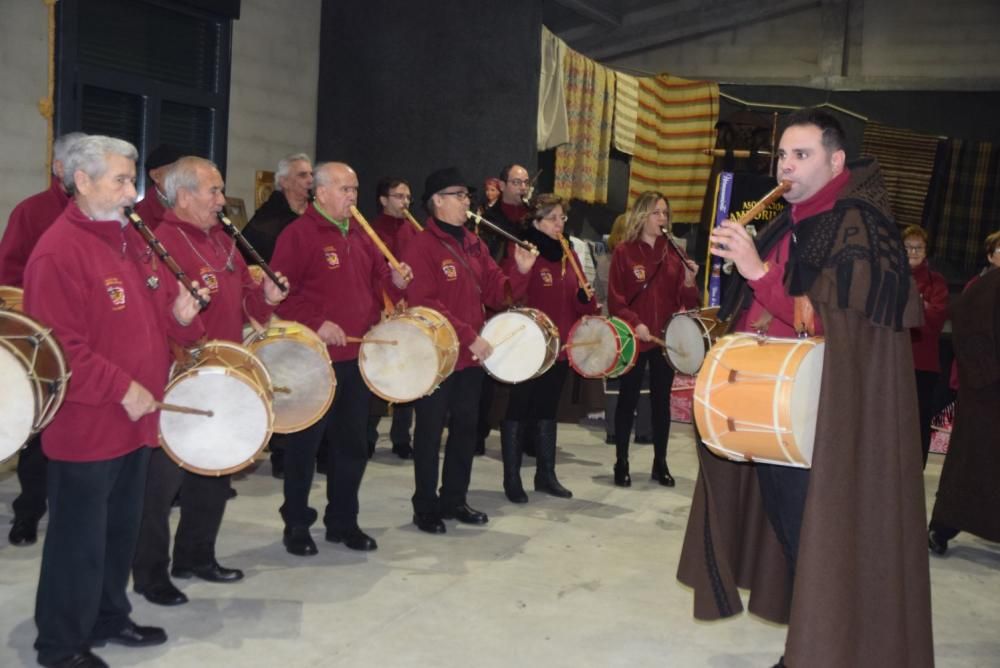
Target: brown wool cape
(862, 586)
(968, 496)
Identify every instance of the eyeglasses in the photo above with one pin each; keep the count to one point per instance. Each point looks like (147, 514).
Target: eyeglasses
(460, 194)
(400, 196)
(517, 182)
(915, 250)
(554, 219)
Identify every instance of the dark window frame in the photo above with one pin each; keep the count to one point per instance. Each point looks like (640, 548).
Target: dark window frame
(72, 76)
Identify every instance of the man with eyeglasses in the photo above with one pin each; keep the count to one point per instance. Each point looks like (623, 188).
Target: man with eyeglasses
(453, 274)
(815, 544)
(337, 279)
(393, 198)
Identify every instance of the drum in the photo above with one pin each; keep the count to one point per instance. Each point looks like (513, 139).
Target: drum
(689, 336)
(525, 344)
(300, 368)
(11, 298)
(756, 399)
(411, 352)
(228, 380)
(33, 376)
(598, 347)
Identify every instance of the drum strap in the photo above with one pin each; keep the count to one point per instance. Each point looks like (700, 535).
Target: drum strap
(645, 285)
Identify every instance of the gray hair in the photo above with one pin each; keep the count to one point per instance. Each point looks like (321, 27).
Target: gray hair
(60, 147)
(90, 155)
(285, 166)
(183, 174)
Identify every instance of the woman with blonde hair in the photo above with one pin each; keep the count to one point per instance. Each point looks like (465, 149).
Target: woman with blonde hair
(648, 283)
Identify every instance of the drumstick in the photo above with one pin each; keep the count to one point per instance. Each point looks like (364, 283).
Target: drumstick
(659, 342)
(506, 338)
(174, 408)
(581, 344)
(378, 241)
(281, 389)
(581, 279)
(358, 339)
(409, 217)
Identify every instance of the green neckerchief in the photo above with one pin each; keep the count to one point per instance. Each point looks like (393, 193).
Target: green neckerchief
(341, 225)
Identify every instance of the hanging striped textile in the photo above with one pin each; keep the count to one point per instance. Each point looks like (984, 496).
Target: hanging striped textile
(582, 165)
(963, 202)
(676, 121)
(626, 112)
(907, 161)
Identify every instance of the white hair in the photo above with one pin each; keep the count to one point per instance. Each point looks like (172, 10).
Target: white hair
(183, 174)
(285, 166)
(61, 146)
(90, 155)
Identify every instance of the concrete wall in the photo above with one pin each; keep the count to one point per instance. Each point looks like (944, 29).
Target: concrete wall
(23, 81)
(887, 45)
(272, 105)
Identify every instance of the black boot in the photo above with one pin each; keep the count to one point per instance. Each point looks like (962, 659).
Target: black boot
(661, 473)
(510, 450)
(622, 478)
(545, 469)
(528, 435)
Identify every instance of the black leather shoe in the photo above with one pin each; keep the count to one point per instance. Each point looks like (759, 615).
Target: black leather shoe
(85, 659)
(353, 538)
(622, 477)
(213, 572)
(936, 544)
(24, 532)
(661, 474)
(480, 447)
(232, 494)
(162, 593)
(298, 542)
(429, 522)
(402, 450)
(781, 663)
(465, 515)
(133, 635)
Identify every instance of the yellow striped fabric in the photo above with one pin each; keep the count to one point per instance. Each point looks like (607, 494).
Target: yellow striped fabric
(626, 112)
(907, 161)
(676, 121)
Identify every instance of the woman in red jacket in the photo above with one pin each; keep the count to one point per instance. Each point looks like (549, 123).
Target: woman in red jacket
(553, 289)
(934, 293)
(648, 283)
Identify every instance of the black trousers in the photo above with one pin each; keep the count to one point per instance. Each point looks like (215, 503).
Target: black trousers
(661, 379)
(203, 503)
(487, 394)
(538, 398)
(94, 513)
(402, 422)
(783, 492)
(346, 459)
(926, 383)
(31, 474)
(457, 401)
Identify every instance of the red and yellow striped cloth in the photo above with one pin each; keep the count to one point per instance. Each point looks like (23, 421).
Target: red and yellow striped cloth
(676, 121)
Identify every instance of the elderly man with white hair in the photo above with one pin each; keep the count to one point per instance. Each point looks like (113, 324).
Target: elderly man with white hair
(92, 279)
(292, 183)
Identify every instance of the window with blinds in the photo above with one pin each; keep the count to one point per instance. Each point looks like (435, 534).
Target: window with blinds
(148, 71)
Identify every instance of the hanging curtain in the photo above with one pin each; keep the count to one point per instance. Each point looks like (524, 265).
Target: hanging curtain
(907, 162)
(553, 122)
(676, 122)
(582, 165)
(626, 112)
(963, 202)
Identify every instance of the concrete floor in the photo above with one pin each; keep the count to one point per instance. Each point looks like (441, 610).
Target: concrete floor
(585, 582)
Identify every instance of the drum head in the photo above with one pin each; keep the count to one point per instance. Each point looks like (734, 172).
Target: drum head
(405, 371)
(227, 441)
(598, 354)
(306, 373)
(519, 347)
(627, 349)
(687, 342)
(805, 400)
(17, 402)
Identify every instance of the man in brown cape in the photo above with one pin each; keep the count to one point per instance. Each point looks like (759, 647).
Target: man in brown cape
(968, 496)
(836, 551)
